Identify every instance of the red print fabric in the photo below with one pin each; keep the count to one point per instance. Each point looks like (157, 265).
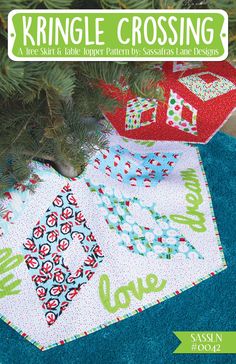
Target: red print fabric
(199, 98)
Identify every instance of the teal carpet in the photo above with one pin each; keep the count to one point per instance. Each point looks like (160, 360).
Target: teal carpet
(148, 337)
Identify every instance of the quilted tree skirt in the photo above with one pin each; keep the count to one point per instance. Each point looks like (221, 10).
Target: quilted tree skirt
(137, 228)
(192, 90)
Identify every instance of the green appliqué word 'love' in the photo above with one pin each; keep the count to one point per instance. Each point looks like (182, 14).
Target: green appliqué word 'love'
(8, 284)
(122, 294)
(195, 219)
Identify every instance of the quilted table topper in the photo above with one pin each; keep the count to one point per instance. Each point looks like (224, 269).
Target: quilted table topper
(199, 98)
(77, 255)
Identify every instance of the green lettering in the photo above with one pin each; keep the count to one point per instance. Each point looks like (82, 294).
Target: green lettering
(152, 282)
(195, 200)
(125, 291)
(137, 293)
(189, 175)
(104, 293)
(7, 263)
(197, 226)
(197, 222)
(194, 187)
(4, 254)
(122, 291)
(11, 263)
(9, 289)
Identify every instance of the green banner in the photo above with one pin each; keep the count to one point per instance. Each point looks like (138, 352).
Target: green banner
(44, 35)
(206, 342)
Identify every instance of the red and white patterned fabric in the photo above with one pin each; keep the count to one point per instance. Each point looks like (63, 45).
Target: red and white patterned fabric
(199, 98)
